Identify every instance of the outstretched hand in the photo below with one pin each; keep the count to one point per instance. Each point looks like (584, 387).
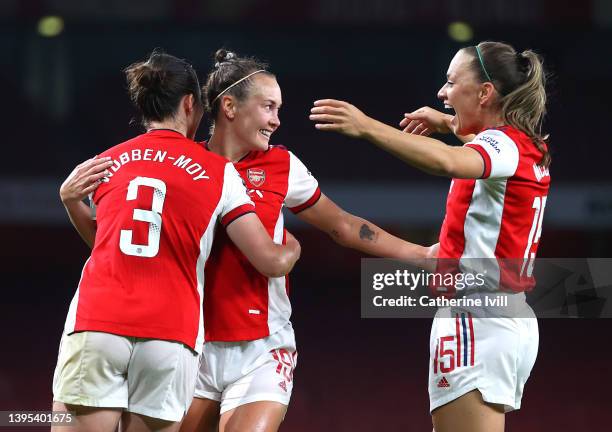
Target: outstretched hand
(84, 179)
(426, 121)
(339, 116)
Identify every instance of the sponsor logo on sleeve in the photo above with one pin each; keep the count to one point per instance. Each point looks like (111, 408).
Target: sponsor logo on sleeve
(491, 141)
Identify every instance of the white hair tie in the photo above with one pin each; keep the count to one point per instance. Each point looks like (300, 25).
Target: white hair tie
(235, 84)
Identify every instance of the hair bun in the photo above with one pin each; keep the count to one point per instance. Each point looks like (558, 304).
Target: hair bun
(223, 56)
(151, 78)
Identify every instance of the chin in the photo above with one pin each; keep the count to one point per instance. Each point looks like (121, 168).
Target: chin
(261, 145)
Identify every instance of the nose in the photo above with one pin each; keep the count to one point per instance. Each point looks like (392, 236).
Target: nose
(275, 120)
(442, 93)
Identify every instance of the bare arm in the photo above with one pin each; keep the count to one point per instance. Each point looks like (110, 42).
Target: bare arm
(270, 259)
(357, 233)
(83, 180)
(424, 153)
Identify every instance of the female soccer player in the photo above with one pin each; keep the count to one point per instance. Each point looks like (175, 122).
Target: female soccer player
(494, 210)
(249, 356)
(134, 327)
(246, 376)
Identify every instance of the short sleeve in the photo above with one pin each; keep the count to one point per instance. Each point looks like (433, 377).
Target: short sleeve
(303, 189)
(235, 201)
(499, 153)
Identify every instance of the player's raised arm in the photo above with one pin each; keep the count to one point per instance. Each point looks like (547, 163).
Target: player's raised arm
(424, 153)
(83, 180)
(270, 259)
(357, 233)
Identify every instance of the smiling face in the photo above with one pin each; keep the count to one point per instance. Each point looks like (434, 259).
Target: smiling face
(257, 116)
(463, 93)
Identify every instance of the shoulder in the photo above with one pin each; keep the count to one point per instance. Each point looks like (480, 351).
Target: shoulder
(274, 155)
(496, 139)
(122, 147)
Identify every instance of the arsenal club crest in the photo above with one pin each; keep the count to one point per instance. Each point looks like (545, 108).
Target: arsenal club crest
(256, 176)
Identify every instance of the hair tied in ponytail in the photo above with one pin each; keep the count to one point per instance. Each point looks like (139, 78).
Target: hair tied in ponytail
(224, 57)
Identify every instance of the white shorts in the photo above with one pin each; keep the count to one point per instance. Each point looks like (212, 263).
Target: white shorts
(492, 355)
(151, 377)
(237, 373)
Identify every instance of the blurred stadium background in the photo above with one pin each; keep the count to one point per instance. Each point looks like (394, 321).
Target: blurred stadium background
(64, 101)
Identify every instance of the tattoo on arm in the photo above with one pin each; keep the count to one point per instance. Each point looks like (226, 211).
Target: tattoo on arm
(365, 233)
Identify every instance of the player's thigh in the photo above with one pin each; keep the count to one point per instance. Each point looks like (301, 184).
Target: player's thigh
(262, 416)
(88, 419)
(469, 413)
(132, 422)
(203, 416)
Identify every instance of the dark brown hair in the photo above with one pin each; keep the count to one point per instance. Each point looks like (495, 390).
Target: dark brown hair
(229, 69)
(521, 81)
(157, 85)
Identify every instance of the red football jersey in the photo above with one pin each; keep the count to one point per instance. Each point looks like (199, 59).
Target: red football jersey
(156, 216)
(499, 215)
(239, 302)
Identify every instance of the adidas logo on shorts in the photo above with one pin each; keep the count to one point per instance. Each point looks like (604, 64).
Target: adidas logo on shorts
(443, 383)
(283, 385)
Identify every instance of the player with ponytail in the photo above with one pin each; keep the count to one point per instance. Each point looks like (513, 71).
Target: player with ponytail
(500, 181)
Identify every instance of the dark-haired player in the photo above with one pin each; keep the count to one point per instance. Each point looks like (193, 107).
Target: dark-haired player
(134, 328)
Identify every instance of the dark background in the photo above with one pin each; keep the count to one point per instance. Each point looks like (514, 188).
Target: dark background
(64, 100)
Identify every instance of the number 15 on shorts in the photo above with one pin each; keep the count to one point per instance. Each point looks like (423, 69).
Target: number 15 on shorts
(456, 350)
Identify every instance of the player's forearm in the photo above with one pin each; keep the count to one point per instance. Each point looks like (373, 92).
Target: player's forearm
(424, 153)
(364, 236)
(80, 217)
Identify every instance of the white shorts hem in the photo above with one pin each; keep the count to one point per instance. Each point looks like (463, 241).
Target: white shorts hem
(260, 397)
(96, 403)
(157, 414)
(509, 405)
(449, 397)
(207, 395)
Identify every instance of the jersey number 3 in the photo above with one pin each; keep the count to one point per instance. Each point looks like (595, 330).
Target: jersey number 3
(153, 217)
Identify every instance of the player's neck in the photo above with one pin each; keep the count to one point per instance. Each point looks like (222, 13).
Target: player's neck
(492, 119)
(224, 143)
(174, 125)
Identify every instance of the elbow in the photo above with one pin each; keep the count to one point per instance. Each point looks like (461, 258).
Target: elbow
(444, 167)
(275, 269)
(278, 264)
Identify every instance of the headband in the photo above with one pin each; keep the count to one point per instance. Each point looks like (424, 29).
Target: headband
(235, 84)
(482, 64)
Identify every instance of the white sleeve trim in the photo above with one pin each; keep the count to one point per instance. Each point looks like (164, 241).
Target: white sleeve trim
(502, 150)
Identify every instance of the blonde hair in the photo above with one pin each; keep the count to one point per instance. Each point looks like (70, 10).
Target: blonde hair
(521, 81)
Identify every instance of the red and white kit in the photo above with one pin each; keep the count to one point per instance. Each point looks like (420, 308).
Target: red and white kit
(241, 304)
(498, 216)
(156, 215)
